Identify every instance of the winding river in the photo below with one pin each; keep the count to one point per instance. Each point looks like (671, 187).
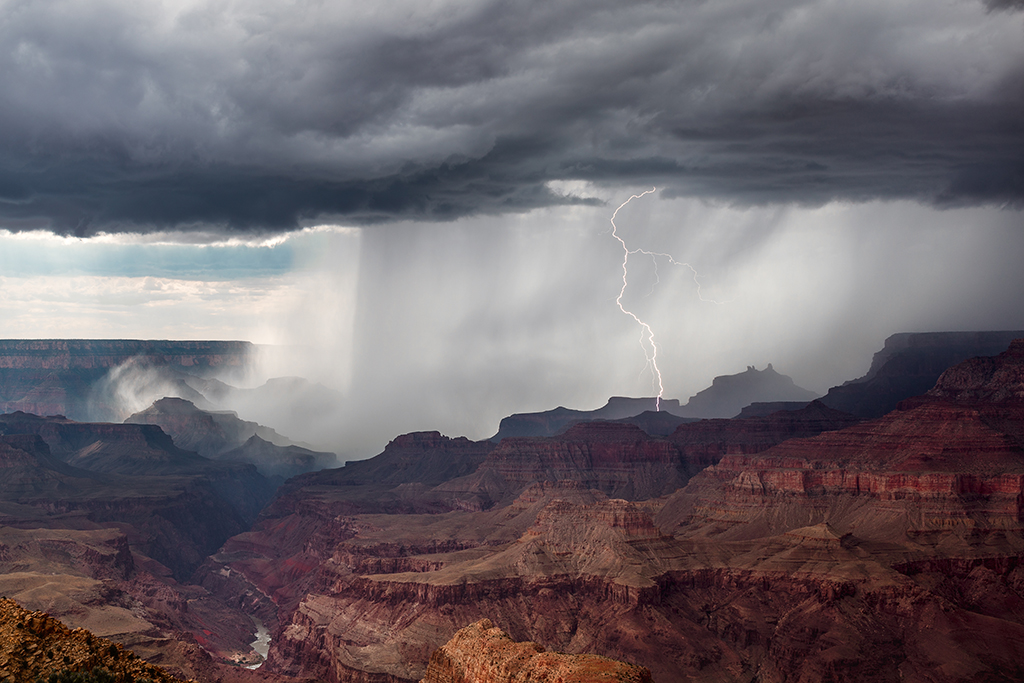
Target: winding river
(261, 645)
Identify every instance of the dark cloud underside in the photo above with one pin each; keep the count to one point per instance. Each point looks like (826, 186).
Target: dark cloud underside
(264, 117)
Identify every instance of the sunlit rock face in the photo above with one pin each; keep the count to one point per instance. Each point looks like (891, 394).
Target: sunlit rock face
(483, 653)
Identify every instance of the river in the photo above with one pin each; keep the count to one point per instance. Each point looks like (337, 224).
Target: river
(261, 645)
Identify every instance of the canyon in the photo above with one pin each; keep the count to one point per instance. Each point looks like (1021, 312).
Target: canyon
(802, 543)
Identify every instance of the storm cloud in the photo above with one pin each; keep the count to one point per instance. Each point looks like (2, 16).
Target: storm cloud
(251, 116)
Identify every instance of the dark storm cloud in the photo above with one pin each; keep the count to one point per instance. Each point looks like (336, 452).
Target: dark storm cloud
(132, 116)
(1009, 5)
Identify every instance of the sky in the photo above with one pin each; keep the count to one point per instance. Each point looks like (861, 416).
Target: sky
(414, 198)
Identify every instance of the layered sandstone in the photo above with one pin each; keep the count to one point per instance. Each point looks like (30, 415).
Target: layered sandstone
(375, 565)
(950, 461)
(483, 653)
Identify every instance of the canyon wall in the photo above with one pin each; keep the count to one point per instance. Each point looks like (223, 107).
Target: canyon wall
(77, 377)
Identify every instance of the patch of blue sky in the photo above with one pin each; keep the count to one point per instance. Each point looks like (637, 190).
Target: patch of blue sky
(27, 257)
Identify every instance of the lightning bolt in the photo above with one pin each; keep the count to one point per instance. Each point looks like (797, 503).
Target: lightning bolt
(646, 333)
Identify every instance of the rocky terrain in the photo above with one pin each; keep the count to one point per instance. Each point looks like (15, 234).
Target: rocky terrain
(369, 568)
(34, 645)
(754, 549)
(908, 365)
(797, 544)
(483, 653)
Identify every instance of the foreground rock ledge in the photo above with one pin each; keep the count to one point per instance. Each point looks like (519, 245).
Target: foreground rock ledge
(483, 653)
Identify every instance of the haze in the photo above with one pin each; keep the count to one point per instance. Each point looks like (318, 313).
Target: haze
(414, 201)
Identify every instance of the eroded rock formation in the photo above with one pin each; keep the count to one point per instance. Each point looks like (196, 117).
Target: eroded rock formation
(908, 365)
(483, 653)
(876, 551)
(374, 567)
(222, 435)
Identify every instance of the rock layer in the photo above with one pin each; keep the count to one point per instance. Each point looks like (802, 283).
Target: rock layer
(483, 653)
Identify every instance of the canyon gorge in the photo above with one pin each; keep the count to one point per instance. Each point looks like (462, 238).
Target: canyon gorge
(808, 543)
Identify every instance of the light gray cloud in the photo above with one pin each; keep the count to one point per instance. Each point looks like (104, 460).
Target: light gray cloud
(264, 116)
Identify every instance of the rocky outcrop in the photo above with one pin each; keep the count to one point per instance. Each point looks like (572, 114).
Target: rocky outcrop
(483, 653)
(221, 435)
(990, 380)
(34, 645)
(909, 365)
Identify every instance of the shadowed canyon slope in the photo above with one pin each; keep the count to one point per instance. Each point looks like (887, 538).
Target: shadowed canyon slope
(222, 435)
